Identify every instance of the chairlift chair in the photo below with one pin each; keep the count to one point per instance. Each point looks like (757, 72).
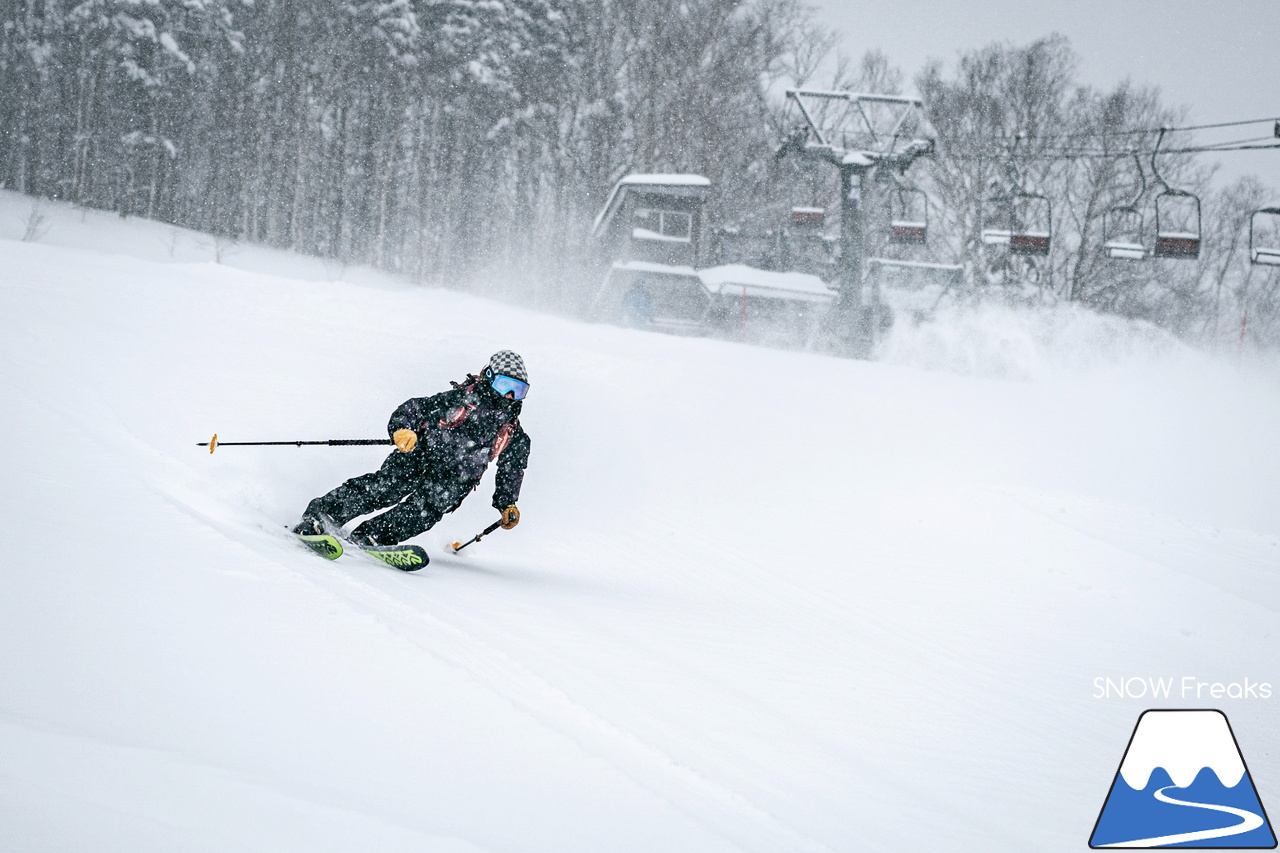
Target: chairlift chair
(1264, 250)
(1124, 227)
(1035, 225)
(997, 221)
(909, 216)
(1023, 221)
(1177, 217)
(1028, 223)
(1028, 216)
(1122, 233)
(1177, 225)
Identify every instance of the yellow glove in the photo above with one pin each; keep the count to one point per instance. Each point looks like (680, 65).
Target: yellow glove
(405, 439)
(510, 517)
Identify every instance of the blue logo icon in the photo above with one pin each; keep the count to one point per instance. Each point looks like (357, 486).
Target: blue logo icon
(1183, 783)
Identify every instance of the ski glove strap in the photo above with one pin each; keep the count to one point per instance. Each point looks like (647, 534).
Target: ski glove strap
(510, 517)
(405, 440)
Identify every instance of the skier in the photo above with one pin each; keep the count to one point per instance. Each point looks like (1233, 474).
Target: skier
(443, 443)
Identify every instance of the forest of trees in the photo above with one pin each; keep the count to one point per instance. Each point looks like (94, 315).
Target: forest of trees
(470, 142)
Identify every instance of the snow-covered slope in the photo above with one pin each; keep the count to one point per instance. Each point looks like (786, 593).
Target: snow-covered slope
(758, 601)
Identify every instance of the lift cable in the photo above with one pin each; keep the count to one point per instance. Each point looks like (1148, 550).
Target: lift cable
(1097, 134)
(1111, 155)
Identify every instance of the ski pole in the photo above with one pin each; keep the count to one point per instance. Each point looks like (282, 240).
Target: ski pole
(458, 546)
(213, 443)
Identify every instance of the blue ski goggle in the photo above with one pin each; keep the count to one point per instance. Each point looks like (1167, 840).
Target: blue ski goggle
(505, 385)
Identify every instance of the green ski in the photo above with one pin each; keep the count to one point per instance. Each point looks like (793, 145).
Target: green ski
(325, 545)
(406, 558)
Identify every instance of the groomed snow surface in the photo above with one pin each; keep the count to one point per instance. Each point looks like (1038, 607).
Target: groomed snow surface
(759, 600)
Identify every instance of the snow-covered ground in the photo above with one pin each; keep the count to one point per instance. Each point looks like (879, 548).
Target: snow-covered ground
(759, 600)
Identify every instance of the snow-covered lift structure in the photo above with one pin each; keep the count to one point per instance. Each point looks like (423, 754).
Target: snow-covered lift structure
(858, 133)
(649, 236)
(649, 232)
(654, 218)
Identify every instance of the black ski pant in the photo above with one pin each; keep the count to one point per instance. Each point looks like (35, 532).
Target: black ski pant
(403, 483)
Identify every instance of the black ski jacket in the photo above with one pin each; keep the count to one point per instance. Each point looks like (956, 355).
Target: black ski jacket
(461, 431)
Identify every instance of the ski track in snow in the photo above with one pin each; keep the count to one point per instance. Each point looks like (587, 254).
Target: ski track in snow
(721, 810)
(415, 617)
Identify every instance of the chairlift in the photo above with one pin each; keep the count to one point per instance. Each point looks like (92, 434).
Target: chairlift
(1122, 234)
(1264, 242)
(997, 221)
(908, 216)
(1123, 226)
(1022, 220)
(1177, 217)
(1177, 225)
(1034, 220)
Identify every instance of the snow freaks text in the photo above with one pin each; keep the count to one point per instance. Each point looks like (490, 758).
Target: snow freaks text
(1175, 687)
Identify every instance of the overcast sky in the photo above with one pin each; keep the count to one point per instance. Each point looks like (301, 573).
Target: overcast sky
(1220, 59)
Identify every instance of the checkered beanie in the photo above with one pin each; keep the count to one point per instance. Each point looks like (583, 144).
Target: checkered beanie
(508, 364)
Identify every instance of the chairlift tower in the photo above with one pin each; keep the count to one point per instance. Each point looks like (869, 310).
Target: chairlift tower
(857, 133)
